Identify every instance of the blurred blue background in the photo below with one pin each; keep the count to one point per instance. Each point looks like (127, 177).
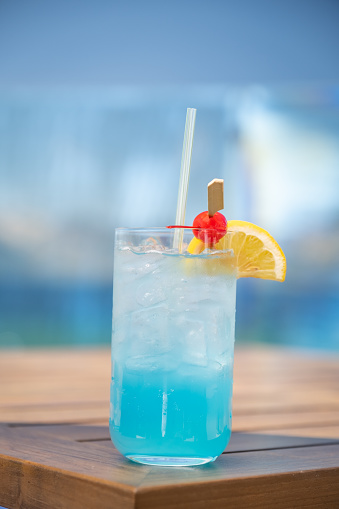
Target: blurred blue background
(93, 99)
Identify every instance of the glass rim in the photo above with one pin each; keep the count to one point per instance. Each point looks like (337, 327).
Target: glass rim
(165, 229)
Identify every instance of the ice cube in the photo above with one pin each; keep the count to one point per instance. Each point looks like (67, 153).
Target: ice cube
(192, 342)
(149, 293)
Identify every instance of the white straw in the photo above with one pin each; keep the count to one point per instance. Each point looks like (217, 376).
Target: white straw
(184, 177)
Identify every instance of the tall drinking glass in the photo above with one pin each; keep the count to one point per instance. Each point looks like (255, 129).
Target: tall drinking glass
(172, 349)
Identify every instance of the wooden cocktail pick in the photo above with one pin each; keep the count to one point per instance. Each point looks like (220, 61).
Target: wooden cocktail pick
(215, 190)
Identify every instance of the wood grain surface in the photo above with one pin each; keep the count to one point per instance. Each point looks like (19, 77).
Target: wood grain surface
(55, 449)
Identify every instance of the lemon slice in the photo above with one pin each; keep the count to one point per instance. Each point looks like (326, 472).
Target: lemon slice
(256, 252)
(196, 246)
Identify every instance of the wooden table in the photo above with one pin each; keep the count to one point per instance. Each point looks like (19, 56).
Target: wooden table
(55, 450)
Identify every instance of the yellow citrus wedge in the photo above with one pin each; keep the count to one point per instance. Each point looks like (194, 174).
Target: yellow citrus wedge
(196, 246)
(257, 253)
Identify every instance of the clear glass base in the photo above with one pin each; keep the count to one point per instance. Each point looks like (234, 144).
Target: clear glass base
(168, 461)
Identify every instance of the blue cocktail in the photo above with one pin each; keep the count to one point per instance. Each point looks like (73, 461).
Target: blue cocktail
(172, 349)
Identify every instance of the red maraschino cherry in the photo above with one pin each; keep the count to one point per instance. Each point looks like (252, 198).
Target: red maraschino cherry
(212, 229)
